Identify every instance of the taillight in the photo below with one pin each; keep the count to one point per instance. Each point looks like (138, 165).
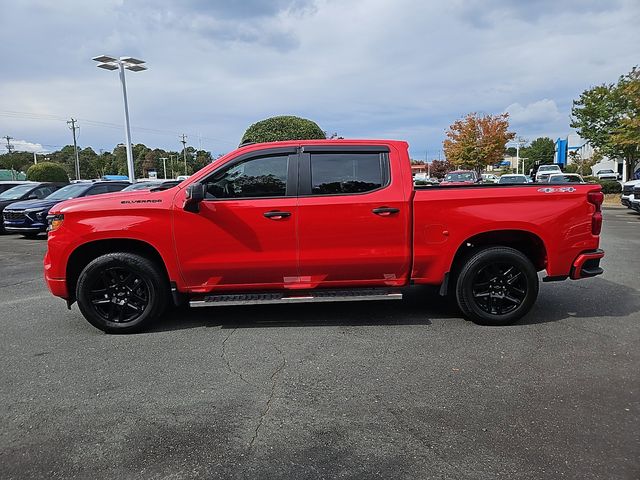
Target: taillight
(596, 198)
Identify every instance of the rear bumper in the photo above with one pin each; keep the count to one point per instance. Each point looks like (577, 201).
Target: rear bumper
(587, 264)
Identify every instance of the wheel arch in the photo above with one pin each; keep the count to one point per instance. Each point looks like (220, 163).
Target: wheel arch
(89, 251)
(525, 241)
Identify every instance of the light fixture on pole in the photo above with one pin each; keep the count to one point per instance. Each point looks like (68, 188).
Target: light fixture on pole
(135, 65)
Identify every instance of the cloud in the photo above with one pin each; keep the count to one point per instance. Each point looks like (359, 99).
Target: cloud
(533, 113)
(25, 146)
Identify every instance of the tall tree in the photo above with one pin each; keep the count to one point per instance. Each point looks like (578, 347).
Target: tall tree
(475, 141)
(540, 152)
(608, 115)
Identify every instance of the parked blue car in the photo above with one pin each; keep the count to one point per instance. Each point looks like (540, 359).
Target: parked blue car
(29, 218)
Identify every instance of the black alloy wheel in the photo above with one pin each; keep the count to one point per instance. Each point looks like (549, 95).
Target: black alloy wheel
(497, 286)
(119, 295)
(122, 292)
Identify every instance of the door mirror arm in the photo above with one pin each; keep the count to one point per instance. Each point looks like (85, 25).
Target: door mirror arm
(194, 195)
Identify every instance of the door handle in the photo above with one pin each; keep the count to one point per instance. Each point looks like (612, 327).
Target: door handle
(385, 211)
(276, 214)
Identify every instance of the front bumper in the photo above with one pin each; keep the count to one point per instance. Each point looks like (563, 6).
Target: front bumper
(10, 228)
(586, 265)
(57, 286)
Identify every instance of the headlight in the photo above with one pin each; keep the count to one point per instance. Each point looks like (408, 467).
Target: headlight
(54, 222)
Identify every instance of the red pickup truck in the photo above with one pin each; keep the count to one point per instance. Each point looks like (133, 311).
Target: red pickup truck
(315, 221)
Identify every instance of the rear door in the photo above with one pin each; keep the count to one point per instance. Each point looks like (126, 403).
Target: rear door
(353, 218)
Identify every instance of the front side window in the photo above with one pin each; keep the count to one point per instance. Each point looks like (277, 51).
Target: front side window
(257, 177)
(344, 173)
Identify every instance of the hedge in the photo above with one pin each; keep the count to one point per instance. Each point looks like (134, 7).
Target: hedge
(610, 186)
(285, 127)
(47, 172)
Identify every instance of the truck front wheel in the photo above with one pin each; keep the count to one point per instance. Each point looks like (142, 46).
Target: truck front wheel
(121, 292)
(497, 286)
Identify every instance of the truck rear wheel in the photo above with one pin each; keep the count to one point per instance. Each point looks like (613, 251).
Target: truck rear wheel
(121, 292)
(497, 286)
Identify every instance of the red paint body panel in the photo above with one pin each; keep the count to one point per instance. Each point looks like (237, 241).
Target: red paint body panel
(328, 241)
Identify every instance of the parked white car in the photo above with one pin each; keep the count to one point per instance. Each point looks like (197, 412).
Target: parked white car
(544, 171)
(627, 192)
(607, 174)
(489, 178)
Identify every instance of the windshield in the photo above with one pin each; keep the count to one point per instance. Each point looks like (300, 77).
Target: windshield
(16, 192)
(548, 168)
(460, 177)
(513, 179)
(70, 191)
(605, 171)
(565, 179)
(141, 186)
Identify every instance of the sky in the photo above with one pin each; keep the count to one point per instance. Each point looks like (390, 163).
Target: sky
(402, 69)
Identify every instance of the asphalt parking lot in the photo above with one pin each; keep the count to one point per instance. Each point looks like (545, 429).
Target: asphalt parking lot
(358, 390)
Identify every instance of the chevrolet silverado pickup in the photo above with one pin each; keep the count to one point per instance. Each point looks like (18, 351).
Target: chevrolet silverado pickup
(316, 221)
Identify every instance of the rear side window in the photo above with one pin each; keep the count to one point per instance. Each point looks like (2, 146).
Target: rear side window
(98, 189)
(345, 173)
(115, 187)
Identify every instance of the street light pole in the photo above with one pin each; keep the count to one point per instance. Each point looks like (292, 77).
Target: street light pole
(164, 166)
(135, 65)
(127, 129)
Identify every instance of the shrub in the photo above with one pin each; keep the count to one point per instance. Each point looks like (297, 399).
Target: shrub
(281, 128)
(47, 172)
(610, 186)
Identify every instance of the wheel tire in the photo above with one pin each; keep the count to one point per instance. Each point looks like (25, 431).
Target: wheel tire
(496, 286)
(122, 292)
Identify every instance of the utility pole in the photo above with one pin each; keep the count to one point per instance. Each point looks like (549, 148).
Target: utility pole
(73, 128)
(9, 146)
(184, 151)
(9, 150)
(164, 166)
(35, 158)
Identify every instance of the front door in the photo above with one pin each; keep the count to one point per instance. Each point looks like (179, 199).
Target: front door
(353, 219)
(244, 236)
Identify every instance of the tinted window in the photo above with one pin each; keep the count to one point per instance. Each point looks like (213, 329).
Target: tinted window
(41, 192)
(565, 179)
(98, 189)
(339, 173)
(116, 187)
(258, 177)
(514, 179)
(460, 177)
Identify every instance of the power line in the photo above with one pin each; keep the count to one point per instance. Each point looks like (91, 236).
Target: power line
(98, 123)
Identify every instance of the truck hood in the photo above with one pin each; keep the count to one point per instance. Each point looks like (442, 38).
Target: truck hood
(33, 204)
(115, 201)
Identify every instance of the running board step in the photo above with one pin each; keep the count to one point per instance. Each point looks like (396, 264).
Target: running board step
(295, 297)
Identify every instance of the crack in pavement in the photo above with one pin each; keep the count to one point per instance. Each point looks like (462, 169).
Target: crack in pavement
(19, 283)
(232, 371)
(274, 378)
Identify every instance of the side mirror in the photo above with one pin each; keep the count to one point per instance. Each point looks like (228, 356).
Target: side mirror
(194, 195)
(33, 196)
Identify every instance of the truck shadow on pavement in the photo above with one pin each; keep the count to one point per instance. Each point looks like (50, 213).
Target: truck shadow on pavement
(420, 305)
